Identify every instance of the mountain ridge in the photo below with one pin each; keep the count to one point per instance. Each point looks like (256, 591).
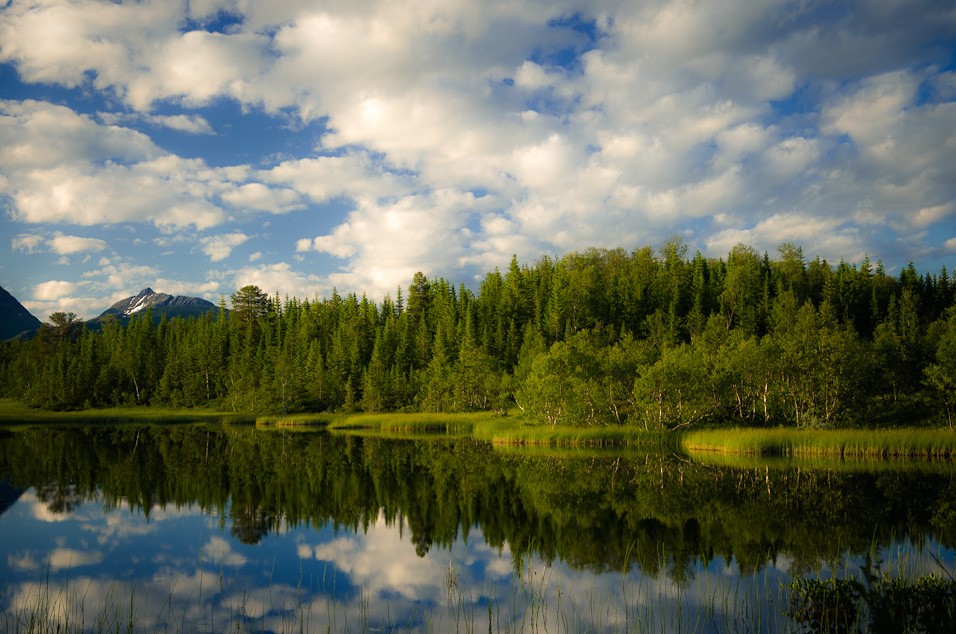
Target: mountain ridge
(160, 303)
(14, 318)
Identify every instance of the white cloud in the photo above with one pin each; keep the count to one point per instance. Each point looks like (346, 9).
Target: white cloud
(62, 167)
(219, 247)
(22, 561)
(486, 128)
(389, 241)
(54, 290)
(28, 242)
(381, 561)
(65, 558)
(353, 174)
(259, 197)
(191, 123)
(118, 275)
(68, 245)
(217, 551)
(280, 278)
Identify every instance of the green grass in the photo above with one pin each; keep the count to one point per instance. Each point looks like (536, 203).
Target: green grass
(297, 421)
(12, 412)
(520, 431)
(499, 430)
(938, 443)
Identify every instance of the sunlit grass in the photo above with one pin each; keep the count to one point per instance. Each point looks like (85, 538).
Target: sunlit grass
(844, 443)
(497, 429)
(461, 423)
(295, 421)
(520, 431)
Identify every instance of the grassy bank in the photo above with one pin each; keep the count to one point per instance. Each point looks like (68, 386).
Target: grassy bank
(936, 443)
(424, 422)
(518, 430)
(14, 412)
(515, 430)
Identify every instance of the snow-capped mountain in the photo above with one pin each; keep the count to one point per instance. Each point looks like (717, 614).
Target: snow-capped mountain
(161, 303)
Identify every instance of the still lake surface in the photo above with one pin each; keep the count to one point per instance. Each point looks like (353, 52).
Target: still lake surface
(219, 527)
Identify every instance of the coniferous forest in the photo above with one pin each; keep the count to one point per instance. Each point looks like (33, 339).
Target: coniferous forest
(650, 338)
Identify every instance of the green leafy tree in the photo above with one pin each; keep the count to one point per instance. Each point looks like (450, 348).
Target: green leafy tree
(941, 373)
(677, 390)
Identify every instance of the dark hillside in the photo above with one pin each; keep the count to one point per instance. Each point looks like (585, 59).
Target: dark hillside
(14, 318)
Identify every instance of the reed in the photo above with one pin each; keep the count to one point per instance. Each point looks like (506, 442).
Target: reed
(937, 443)
(510, 432)
(461, 423)
(295, 421)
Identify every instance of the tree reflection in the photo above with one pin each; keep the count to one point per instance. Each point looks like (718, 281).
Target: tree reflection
(59, 499)
(599, 511)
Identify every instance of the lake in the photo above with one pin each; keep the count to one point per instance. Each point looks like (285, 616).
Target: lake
(221, 527)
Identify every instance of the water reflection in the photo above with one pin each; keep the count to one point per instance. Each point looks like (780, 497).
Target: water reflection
(191, 528)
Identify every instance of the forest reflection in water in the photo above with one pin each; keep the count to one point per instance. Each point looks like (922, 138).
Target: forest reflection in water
(204, 526)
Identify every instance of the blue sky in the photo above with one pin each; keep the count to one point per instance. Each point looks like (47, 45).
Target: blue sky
(199, 146)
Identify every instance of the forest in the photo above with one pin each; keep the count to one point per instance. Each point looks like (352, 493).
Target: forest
(651, 338)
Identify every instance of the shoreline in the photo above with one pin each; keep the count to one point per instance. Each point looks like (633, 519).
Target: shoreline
(904, 443)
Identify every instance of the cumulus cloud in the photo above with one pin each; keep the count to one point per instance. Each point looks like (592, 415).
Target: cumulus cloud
(457, 134)
(219, 247)
(65, 558)
(389, 241)
(27, 242)
(68, 245)
(259, 197)
(188, 123)
(219, 552)
(280, 278)
(64, 167)
(54, 290)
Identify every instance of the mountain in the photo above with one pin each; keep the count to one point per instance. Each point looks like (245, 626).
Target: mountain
(14, 318)
(161, 303)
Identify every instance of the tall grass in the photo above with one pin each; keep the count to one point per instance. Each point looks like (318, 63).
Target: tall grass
(843, 443)
(412, 422)
(515, 431)
(297, 420)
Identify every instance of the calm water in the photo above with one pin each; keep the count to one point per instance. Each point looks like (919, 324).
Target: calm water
(211, 528)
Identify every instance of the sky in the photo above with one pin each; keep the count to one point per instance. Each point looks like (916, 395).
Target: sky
(199, 146)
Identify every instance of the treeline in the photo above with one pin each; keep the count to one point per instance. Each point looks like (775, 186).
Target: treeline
(604, 337)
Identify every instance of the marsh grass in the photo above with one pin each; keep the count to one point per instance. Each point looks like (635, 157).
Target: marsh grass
(14, 412)
(842, 443)
(296, 421)
(412, 422)
(510, 433)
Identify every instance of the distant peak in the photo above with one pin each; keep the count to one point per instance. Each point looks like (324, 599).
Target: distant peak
(146, 291)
